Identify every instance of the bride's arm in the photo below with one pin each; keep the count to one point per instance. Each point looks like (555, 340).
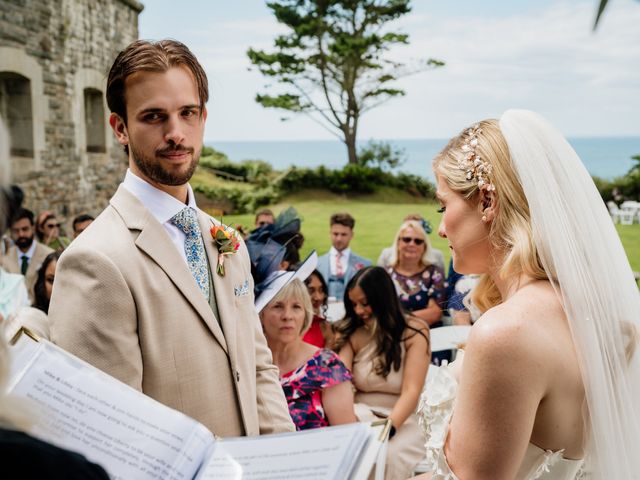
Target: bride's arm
(501, 386)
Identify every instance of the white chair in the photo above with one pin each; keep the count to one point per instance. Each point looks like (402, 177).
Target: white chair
(623, 217)
(631, 207)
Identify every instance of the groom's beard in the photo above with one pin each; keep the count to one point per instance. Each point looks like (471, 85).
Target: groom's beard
(154, 171)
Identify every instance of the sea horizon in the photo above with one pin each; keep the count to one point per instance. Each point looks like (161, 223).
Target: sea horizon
(603, 156)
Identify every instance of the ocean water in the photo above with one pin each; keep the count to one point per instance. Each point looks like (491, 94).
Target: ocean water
(605, 157)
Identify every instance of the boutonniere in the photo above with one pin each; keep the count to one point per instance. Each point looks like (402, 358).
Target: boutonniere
(359, 266)
(227, 243)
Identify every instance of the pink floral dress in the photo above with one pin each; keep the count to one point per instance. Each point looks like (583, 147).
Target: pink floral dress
(303, 388)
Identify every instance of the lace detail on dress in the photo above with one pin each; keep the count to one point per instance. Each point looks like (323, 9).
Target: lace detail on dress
(434, 412)
(550, 459)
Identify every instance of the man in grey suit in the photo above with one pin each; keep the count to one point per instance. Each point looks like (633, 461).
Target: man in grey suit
(340, 264)
(141, 293)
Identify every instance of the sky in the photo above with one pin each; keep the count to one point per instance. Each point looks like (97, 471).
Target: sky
(542, 55)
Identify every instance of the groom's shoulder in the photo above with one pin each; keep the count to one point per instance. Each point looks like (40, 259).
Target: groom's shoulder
(106, 234)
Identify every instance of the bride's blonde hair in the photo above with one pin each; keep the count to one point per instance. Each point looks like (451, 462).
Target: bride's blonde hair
(510, 232)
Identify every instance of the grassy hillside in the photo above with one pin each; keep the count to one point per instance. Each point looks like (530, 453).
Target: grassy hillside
(377, 218)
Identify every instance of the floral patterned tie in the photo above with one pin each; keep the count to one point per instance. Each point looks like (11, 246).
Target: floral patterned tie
(339, 267)
(187, 221)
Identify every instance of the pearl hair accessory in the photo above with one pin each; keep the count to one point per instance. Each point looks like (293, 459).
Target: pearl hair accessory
(475, 167)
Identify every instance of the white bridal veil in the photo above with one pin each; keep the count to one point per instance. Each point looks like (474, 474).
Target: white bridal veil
(580, 248)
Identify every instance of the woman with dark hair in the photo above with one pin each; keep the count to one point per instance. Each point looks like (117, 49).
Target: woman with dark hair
(44, 283)
(388, 354)
(320, 332)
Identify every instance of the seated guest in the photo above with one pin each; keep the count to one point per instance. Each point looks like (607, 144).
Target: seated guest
(44, 283)
(26, 255)
(264, 216)
(388, 353)
(419, 282)
(316, 383)
(384, 260)
(340, 264)
(320, 332)
(459, 304)
(48, 232)
(80, 223)
(275, 246)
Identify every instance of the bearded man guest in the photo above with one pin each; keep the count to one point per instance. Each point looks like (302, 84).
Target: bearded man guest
(27, 254)
(139, 294)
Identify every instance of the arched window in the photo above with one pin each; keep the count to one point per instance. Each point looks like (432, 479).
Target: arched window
(94, 120)
(15, 107)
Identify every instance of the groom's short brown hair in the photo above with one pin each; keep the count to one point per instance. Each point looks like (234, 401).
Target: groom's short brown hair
(148, 56)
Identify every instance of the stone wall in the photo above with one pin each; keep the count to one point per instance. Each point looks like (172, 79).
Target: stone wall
(61, 51)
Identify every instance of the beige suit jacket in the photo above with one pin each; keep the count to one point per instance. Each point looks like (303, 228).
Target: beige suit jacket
(12, 265)
(125, 301)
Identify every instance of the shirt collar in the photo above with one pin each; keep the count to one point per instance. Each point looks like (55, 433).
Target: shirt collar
(345, 253)
(29, 253)
(161, 205)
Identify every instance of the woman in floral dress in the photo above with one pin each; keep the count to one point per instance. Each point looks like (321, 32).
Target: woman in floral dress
(419, 282)
(316, 384)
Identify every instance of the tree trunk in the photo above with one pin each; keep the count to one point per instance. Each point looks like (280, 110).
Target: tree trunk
(351, 149)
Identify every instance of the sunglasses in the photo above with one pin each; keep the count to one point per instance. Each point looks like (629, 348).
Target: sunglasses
(51, 225)
(408, 240)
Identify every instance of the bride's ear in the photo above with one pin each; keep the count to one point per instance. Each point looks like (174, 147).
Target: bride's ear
(488, 205)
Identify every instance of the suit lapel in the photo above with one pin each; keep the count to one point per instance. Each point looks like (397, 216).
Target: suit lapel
(35, 261)
(154, 241)
(223, 286)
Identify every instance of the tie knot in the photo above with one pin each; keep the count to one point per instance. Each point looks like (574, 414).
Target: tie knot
(187, 221)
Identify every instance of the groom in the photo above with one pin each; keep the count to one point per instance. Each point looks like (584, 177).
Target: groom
(137, 294)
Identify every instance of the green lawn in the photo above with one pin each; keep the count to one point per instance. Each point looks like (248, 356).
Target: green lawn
(377, 219)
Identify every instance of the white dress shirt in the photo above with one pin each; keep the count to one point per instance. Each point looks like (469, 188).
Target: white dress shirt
(344, 260)
(161, 205)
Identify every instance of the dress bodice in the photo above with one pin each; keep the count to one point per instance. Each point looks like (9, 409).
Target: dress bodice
(371, 387)
(435, 410)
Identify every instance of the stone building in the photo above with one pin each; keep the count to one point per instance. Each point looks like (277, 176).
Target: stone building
(54, 59)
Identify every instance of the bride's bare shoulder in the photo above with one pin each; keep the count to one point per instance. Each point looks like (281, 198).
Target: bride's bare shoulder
(528, 324)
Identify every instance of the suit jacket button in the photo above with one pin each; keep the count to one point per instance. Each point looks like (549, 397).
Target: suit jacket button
(237, 376)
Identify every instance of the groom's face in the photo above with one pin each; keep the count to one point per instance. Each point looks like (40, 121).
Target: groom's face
(164, 127)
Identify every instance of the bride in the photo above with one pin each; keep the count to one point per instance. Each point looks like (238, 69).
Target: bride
(548, 385)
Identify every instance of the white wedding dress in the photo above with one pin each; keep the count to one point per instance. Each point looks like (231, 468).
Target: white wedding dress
(434, 412)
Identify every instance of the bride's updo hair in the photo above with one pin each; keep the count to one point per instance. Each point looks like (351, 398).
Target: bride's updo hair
(510, 232)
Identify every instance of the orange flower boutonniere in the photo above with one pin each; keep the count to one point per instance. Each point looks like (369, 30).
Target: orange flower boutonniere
(227, 243)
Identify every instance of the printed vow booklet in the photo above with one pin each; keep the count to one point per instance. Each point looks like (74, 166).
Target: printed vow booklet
(132, 436)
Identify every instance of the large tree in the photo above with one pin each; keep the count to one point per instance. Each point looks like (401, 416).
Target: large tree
(333, 64)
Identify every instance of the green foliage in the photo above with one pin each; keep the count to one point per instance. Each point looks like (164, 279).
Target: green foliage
(240, 200)
(253, 171)
(332, 65)
(356, 179)
(381, 155)
(628, 186)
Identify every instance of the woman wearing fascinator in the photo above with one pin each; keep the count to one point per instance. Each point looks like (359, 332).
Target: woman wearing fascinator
(549, 384)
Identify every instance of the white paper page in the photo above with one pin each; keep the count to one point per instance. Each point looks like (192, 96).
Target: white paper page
(371, 454)
(320, 454)
(132, 436)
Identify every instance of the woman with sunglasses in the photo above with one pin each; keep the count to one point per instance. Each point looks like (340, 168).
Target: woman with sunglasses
(48, 231)
(419, 281)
